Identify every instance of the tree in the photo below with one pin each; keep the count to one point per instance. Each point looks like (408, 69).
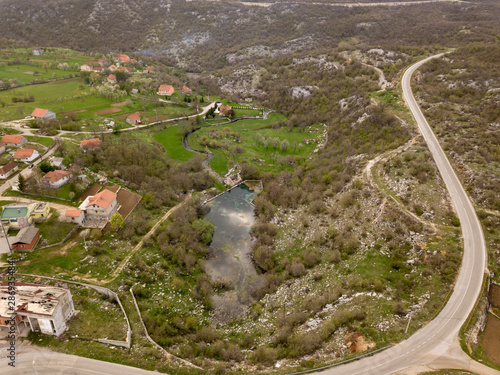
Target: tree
(21, 182)
(284, 145)
(46, 167)
(116, 221)
(205, 229)
(275, 142)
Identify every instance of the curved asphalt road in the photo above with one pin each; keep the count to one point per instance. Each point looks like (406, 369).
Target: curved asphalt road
(436, 344)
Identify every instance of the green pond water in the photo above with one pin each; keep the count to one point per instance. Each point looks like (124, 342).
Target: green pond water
(232, 215)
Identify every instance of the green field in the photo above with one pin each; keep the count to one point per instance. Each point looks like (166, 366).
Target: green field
(171, 139)
(265, 158)
(45, 141)
(28, 73)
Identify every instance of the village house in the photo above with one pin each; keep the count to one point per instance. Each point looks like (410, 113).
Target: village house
(123, 59)
(57, 162)
(37, 51)
(43, 114)
(224, 109)
(17, 216)
(134, 119)
(56, 179)
(166, 90)
(112, 67)
(26, 155)
(75, 216)
(149, 69)
(97, 69)
(95, 211)
(186, 90)
(102, 62)
(26, 240)
(90, 144)
(111, 78)
(37, 307)
(14, 140)
(86, 68)
(8, 170)
(2, 148)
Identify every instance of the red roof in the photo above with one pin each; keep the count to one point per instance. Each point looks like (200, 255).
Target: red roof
(186, 90)
(102, 199)
(12, 138)
(150, 68)
(167, 88)
(90, 143)
(22, 153)
(8, 167)
(56, 175)
(111, 77)
(72, 213)
(134, 117)
(123, 58)
(39, 112)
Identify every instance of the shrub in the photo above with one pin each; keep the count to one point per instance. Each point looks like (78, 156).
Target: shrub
(297, 269)
(265, 355)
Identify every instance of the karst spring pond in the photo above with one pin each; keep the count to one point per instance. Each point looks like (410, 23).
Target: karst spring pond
(230, 263)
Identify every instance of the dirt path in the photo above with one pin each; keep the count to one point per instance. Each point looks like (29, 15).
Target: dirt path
(124, 262)
(368, 175)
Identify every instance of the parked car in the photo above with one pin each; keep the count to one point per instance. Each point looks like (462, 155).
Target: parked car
(31, 166)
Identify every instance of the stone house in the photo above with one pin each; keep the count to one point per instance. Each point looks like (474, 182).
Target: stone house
(43, 114)
(90, 144)
(14, 140)
(56, 179)
(134, 119)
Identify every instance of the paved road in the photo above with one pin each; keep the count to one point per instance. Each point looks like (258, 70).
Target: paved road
(436, 345)
(31, 360)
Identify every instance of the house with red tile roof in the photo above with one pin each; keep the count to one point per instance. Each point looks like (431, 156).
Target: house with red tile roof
(8, 169)
(90, 144)
(166, 90)
(14, 140)
(97, 209)
(26, 154)
(134, 119)
(186, 90)
(224, 109)
(149, 69)
(43, 114)
(111, 78)
(75, 216)
(123, 59)
(56, 179)
(102, 62)
(112, 67)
